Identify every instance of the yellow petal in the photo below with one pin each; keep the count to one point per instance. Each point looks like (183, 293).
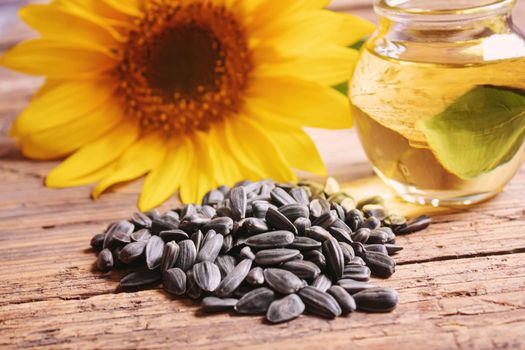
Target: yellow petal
(98, 10)
(202, 178)
(299, 102)
(145, 155)
(163, 181)
(63, 103)
(128, 7)
(328, 65)
(54, 22)
(57, 60)
(99, 154)
(62, 140)
(251, 146)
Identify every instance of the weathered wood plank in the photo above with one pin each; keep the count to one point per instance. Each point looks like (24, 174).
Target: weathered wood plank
(469, 303)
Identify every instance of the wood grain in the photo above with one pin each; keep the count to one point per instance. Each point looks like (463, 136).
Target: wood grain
(461, 282)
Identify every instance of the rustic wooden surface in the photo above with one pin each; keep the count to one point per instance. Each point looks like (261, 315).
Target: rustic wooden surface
(461, 282)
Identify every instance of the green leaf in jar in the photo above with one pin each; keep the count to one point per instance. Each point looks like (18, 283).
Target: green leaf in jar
(482, 130)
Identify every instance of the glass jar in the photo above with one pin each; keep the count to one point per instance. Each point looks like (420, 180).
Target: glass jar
(439, 99)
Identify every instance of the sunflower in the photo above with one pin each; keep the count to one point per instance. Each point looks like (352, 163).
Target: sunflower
(189, 93)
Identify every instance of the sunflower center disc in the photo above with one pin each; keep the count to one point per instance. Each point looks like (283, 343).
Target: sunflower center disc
(185, 67)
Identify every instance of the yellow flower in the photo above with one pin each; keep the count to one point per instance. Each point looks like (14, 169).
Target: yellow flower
(191, 93)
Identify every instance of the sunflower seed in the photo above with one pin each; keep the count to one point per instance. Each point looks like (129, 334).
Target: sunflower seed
(141, 235)
(121, 237)
(357, 273)
(361, 235)
(395, 221)
(140, 278)
(210, 250)
(208, 236)
(305, 243)
(174, 281)
(213, 197)
(226, 263)
(234, 278)
(376, 211)
(208, 211)
(197, 238)
(207, 276)
(302, 224)
(105, 260)
(188, 210)
(376, 300)
(320, 303)
(246, 253)
(359, 249)
(380, 264)
(192, 288)
(187, 255)
(270, 257)
(152, 214)
(174, 235)
(97, 242)
(171, 216)
(381, 235)
(379, 248)
(415, 225)
(280, 197)
(169, 255)
(372, 223)
(319, 207)
(322, 283)
(153, 252)
(316, 257)
(159, 225)
(295, 211)
(393, 249)
(193, 222)
(255, 302)
(326, 220)
(238, 202)
(255, 277)
(352, 286)
(131, 252)
(141, 220)
(260, 208)
(253, 226)
(354, 218)
(121, 228)
(318, 233)
(285, 309)
(334, 257)
(222, 225)
(302, 269)
(275, 239)
(341, 214)
(357, 261)
(213, 304)
(278, 221)
(340, 235)
(348, 251)
(343, 298)
(300, 195)
(282, 281)
(227, 244)
(377, 200)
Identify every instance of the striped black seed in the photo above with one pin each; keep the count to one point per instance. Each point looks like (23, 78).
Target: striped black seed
(322, 283)
(275, 239)
(238, 202)
(153, 252)
(318, 233)
(334, 257)
(152, 214)
(381, 235)
(213, 197)
(197, 238)
(357, 273)
(158, 225)
(316, 257)
(378, 248)
(285, 309)
(280, 197)
(192, 288)
(282, 281)
(255, 302)
(132, 252)
(372, 223)
(210, 250)
(226, 263)
(234, 278)
(295, 211)
(340, 235)
(353, 286)
(187, 255)
(174, 281)
(359, 249)
(343, 298)
(300, 195)
(376, 300)
(141, 220)
(121, 228)
(357, 261)
(188, 210)
(208, 211)
(246, 253)
(278, 221)
(222, 225)
(393, 249)
(260, 208)
(361, 235)
(253, 226)
(256, 276)
(318, 207)
(97, 242)
(140, 278)
(174, 235)
(348, 251)
(269, 257)
(169, 255)
(326, 220)
(415, 225)
(105, 260)
(141, 235)
(193, 222)
(341, 213)
(305, 243)
(320, 303)
(207, 276)
(301, 224)
(380, 264)
(214, 304)
(340, 224)
(377, 211)
(302, 268)
(227, 244)
(354, 218)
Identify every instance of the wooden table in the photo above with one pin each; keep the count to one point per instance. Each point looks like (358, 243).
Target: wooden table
(461, 282)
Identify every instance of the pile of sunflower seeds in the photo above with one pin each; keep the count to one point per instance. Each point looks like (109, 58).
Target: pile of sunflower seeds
(264, 248)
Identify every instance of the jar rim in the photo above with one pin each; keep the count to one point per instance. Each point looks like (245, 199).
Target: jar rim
(385, 7)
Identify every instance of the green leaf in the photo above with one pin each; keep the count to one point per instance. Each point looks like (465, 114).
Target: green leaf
(482, 130)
